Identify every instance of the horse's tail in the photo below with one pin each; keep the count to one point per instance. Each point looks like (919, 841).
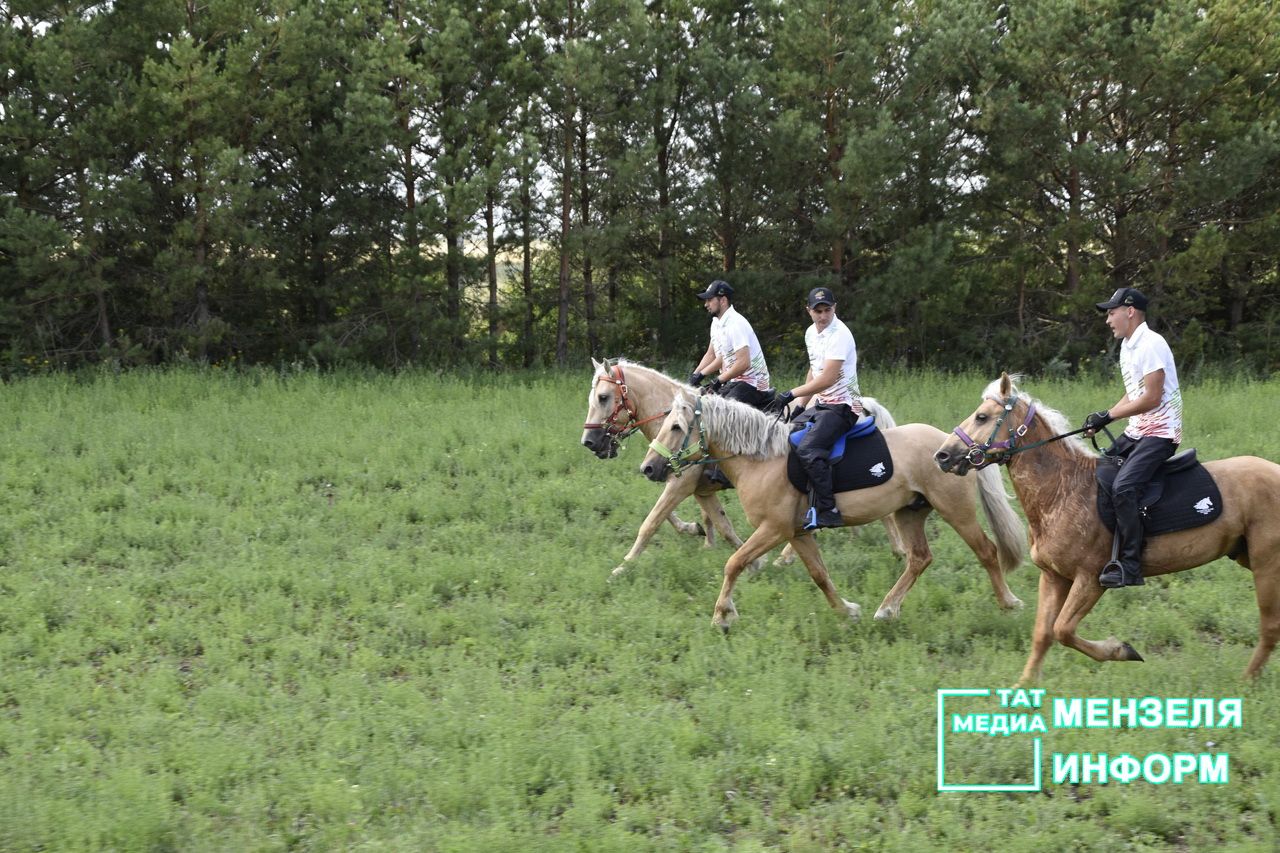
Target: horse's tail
(1011, 536)
(876, 409)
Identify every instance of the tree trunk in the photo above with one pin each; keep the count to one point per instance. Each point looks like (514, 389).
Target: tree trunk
(526, 266)
(104, 321)
(584, 216)
(665, 248)
(566, 218)
(491, 252)
(453, 283)
(1073, 221)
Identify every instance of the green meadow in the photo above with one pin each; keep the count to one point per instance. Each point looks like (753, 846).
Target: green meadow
(289, 611)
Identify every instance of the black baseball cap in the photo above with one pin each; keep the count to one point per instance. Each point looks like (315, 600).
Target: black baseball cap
(821, 296)
(717, 288)
(1128, 296)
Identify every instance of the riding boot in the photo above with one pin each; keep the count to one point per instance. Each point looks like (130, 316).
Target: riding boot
(1126, 568)
(823, 512)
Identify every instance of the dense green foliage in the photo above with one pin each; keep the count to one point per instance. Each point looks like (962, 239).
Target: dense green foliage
(266, 611)
(435, 182)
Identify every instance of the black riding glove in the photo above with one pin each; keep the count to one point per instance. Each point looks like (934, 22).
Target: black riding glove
(780, 401)
(716, 385)
(1097, 420)
(695, 378)
(796, 411)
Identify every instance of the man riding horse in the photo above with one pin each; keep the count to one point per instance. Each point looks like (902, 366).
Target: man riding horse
(1153, 403)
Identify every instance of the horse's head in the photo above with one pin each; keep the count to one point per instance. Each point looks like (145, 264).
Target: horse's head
(679, 442)
(606, 401)
(1001, 411)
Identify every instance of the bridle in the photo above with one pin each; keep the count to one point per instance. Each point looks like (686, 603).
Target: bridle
(1000, 452)
(679, 459)
(623, 406)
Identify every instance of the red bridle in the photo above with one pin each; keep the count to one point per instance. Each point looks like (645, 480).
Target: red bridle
(610, 424)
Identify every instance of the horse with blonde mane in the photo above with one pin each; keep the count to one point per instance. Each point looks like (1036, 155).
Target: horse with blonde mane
(627, 397)
(1054, 481)
(752, 448)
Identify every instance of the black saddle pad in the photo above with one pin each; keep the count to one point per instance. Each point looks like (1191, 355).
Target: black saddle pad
(1172, 501)
(866, 463)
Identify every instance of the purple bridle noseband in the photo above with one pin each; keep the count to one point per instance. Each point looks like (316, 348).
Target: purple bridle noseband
(981, 454)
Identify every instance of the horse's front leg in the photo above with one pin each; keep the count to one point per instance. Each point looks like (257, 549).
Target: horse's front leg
(676, 490)
(689, 528)
(713, 509)
(1053, 592)
(1084, 594)
(909, 524)
(755, 547)
(807, 547)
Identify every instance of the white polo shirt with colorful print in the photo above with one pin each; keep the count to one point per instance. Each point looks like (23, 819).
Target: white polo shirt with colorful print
(835, 342)
(731, 332)
(1142, 353)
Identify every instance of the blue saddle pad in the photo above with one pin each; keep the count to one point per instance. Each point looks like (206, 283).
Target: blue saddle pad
(867, 462)
(861, 429)
(1182, 495)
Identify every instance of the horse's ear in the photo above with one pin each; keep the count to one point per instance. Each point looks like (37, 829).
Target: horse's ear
(600, 368)
(1006, 384)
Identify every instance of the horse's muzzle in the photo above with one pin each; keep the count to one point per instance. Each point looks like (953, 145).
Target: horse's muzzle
(599, 442)
(656, 470)
(951, 463)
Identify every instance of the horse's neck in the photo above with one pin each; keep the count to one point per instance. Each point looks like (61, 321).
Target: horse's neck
(651, 392)
(1048, 477)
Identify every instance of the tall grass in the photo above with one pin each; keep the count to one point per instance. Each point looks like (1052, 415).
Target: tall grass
(291, 611)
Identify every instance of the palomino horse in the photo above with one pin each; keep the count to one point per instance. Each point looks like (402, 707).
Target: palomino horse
(626, 398)
(1055, 483)
(752, 448)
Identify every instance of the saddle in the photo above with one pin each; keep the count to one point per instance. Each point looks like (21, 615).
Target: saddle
(855, 465)
(1180, 496)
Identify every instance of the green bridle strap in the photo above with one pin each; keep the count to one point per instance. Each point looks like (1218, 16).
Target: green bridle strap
(679, 460)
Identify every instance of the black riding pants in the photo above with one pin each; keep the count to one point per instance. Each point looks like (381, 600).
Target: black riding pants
(814, 451)
(1141, 459)
(745, 392)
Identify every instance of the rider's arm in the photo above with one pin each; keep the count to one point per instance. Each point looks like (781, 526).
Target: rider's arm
(709, 361)
(740, 364)
(1152, 393)
(828, 376)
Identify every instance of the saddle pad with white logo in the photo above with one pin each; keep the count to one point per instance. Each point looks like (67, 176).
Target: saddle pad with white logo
(1189, 499)
(866, 463)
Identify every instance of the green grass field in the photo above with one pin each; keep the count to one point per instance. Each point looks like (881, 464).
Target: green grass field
(268, 611)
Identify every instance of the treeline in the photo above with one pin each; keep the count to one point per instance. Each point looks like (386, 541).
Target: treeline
(519, 183)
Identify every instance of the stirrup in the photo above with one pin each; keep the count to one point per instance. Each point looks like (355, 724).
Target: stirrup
(1112, 575)
(811, 519)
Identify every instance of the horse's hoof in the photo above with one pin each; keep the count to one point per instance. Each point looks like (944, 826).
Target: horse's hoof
(618, 572)
(1130, 653)
(884, 614)
(1014, 604)
(853, 611)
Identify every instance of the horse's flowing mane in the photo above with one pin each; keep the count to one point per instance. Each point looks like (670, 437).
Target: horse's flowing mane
(1055, 420)
(635, 365)
(739, 429)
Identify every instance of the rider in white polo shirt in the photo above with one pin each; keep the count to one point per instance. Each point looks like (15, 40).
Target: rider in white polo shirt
(1153, 404)
(833, 381)
(734, 352)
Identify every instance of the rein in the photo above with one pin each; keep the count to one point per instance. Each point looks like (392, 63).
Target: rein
(633, 421)
(1000, 452)
(679, 460)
